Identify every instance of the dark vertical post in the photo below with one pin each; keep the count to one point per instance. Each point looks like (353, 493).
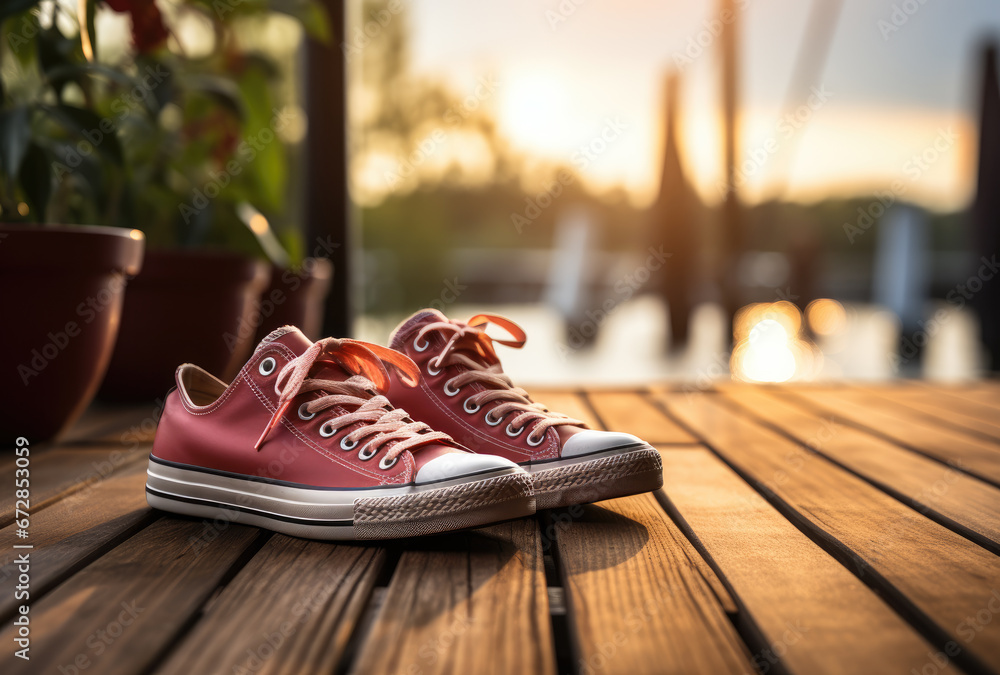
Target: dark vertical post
(732, 231)
(327, 205)
(986, 209)
(673, 224)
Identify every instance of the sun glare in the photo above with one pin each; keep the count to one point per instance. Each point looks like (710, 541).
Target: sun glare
(768, 344)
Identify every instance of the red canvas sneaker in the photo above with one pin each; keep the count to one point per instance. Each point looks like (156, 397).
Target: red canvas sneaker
(465, 393)
(304, 442)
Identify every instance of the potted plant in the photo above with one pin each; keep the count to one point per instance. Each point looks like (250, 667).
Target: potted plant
(182, 138)
(63, 283)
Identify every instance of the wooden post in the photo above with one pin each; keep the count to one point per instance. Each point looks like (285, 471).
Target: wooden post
(732, 230)
(328, 215)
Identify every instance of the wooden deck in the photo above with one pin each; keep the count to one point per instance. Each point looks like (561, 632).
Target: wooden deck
(799, 530)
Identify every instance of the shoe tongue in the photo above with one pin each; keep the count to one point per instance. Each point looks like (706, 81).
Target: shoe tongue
(290, 337)
(409, 326)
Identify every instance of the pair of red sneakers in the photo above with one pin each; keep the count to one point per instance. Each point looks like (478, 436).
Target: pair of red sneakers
(341, 439)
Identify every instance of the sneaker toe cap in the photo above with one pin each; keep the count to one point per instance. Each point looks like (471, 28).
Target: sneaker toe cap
(591, 440)
(457, 464)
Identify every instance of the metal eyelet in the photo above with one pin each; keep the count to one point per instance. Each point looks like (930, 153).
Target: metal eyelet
(489, 420)
(385, 467)
(267, 366)
(430, 369)
(448, 390)
(514, 434)
(532, 443)
(303, 415)
(347, 444)
(471, 409)
(363, 456)
(327, 429)
(418, 347)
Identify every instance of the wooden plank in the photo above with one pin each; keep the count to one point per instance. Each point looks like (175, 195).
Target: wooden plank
(115, 423)
(960, 501)
(890, 545)
(302, 599)
(981, 401)
(975, 456)
(59, 471)
(568, 403)
(636, 599)
(906, 404)
(948, 409)
(470, 603)
(76, 529)
(635, 413)
(805, 604)
(118, 614)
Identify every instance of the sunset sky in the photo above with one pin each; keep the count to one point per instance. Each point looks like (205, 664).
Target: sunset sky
(883, 97)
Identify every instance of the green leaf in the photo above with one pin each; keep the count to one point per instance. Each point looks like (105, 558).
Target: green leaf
(74, 71)
(15, 134)
(36, 180)
(310, 14)
(11, 7)
(91, 30)
(86, 125)
(223, 90)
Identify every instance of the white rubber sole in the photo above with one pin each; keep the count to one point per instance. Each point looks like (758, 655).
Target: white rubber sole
(323, 513)
(605, 474)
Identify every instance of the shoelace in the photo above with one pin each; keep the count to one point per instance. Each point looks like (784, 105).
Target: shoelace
(360, 391)
(470, 336)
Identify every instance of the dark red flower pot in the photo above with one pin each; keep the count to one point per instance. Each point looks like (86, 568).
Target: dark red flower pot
(296, 297)
(61, 309)
(185, 307)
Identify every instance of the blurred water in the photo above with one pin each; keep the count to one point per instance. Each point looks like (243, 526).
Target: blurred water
(631, 346)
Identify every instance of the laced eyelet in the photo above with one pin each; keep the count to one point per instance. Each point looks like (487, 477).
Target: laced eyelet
(303, 414)
(489, 420)
(448, 389)
(327, 429)
(431, 370)
(469, 407)
(267, 366)
(514, 434)
(418, 347)
(347, 444)
(384, 466)
(365, 456)
(532, 443)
